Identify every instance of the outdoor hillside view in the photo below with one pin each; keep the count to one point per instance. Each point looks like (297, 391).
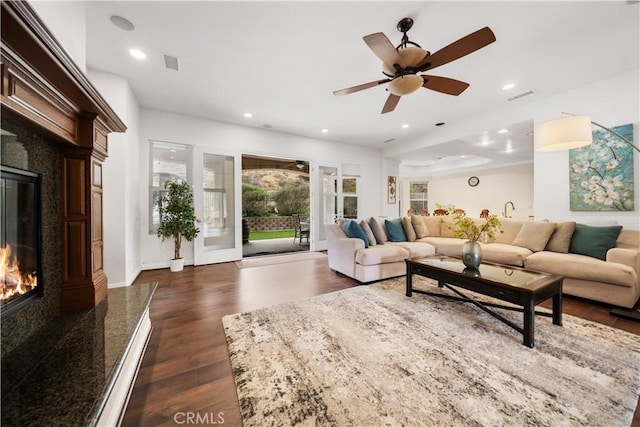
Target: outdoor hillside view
(270, 193)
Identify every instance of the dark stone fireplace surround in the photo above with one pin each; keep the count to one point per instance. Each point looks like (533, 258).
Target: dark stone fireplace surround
(45, 158)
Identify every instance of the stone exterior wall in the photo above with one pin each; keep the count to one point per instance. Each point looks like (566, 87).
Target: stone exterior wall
(259, 223)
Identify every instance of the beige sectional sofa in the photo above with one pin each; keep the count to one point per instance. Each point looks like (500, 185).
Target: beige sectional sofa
(537, 245)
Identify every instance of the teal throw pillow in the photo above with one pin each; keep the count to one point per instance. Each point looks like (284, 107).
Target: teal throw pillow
(395, 230)
(594, 241)
(353, 229)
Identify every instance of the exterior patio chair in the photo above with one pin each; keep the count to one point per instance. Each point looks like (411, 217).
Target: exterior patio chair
(302, 229)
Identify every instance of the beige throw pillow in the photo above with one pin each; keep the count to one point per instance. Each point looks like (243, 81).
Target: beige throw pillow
(408, 229)
(367, 230)
(448, 227)
(378, 231)
(561, 238)
(419, 226)
(534, 235)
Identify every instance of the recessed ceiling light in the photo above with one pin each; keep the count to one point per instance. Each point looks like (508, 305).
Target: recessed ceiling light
(503, 131)
(137, 53)
(122, 23)
(248, 115)
(404, 126)
(508, 86)
(324, 130)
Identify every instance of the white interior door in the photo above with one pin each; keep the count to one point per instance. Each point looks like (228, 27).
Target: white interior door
(337, 198)
(327, 206)
(217, 178)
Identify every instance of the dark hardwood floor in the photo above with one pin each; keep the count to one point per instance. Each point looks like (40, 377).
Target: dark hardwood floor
(186, 371)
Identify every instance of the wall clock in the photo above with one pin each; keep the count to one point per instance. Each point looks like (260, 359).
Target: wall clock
(473, 181)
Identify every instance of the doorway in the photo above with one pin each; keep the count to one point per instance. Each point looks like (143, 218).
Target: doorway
(275, 205)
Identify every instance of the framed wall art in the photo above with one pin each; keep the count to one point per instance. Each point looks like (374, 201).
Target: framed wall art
(601, 174)
(391, 190)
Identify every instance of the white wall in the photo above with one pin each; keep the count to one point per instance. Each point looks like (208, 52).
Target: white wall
(224, 138)
(66, 21)
(497, 186)
(121, 202)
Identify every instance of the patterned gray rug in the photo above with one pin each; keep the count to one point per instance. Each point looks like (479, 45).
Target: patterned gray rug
(369, 356)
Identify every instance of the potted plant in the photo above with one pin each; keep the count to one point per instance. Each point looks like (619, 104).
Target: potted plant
(466, 227)
(177, 218)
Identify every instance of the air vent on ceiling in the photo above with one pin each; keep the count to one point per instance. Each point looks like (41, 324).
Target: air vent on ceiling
(513, 98)
(171, 62)
(389, 140)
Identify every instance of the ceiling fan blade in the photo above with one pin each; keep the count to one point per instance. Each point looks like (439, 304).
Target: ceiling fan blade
(383, 48)
(444, 85)
(391, 103)
(458, 49)
(360, 87)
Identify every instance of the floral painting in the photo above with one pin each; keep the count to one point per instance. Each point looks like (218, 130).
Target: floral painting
(391, 190)
(601, 174)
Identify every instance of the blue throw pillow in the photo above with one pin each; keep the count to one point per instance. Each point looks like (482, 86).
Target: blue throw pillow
(353, 229)
(594, 241)
(395, 230)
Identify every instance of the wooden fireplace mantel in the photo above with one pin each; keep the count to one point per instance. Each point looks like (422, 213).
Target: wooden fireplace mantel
(42, 87)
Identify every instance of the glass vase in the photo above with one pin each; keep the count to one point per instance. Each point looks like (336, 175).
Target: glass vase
(471, 254)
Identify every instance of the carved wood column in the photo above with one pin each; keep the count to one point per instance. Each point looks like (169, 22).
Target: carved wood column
(85, 283)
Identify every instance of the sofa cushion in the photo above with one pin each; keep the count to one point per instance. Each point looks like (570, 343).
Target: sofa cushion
(381, 254)
(450, 246)
(353, 229)
(416, 249)
(509, 230)
(378, 231)
(505, 254)
(448, 226)
(534, 235)
(434, 224)
(408, 229)
(582, 267)
(561, 237)
(367, 230)
(395, 230)
(419, 226)
(594, 241)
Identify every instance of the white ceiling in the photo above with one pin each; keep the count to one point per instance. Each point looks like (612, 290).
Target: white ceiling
(281, 61)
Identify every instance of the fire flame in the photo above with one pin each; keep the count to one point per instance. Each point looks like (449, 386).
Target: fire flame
(12, 281)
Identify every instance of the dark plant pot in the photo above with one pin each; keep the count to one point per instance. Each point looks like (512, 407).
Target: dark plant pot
(245, 230)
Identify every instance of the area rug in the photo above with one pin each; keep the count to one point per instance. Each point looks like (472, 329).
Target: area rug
(369, 356)
(278, 259)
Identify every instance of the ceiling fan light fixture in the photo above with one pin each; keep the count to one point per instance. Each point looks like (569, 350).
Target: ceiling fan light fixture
(404, 85)
(412, 56)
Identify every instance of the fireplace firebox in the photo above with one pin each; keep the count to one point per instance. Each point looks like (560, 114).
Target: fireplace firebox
(20, 244)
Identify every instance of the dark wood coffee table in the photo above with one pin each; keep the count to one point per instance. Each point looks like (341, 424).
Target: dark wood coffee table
(519, 286)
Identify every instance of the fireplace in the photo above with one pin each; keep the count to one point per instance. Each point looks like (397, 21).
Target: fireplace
(20, 246)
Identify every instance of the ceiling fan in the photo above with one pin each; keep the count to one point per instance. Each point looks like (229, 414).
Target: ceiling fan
(402, 64)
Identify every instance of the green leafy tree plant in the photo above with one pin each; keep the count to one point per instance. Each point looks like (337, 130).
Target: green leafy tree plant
(293, 198)
(254, 200)
(466, 227)
(177, 216)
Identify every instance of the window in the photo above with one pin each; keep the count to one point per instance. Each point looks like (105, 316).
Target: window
(169, 163)
(418, 196)
(350, 177)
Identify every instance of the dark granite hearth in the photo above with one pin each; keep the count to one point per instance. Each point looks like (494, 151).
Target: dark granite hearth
(63, 374)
